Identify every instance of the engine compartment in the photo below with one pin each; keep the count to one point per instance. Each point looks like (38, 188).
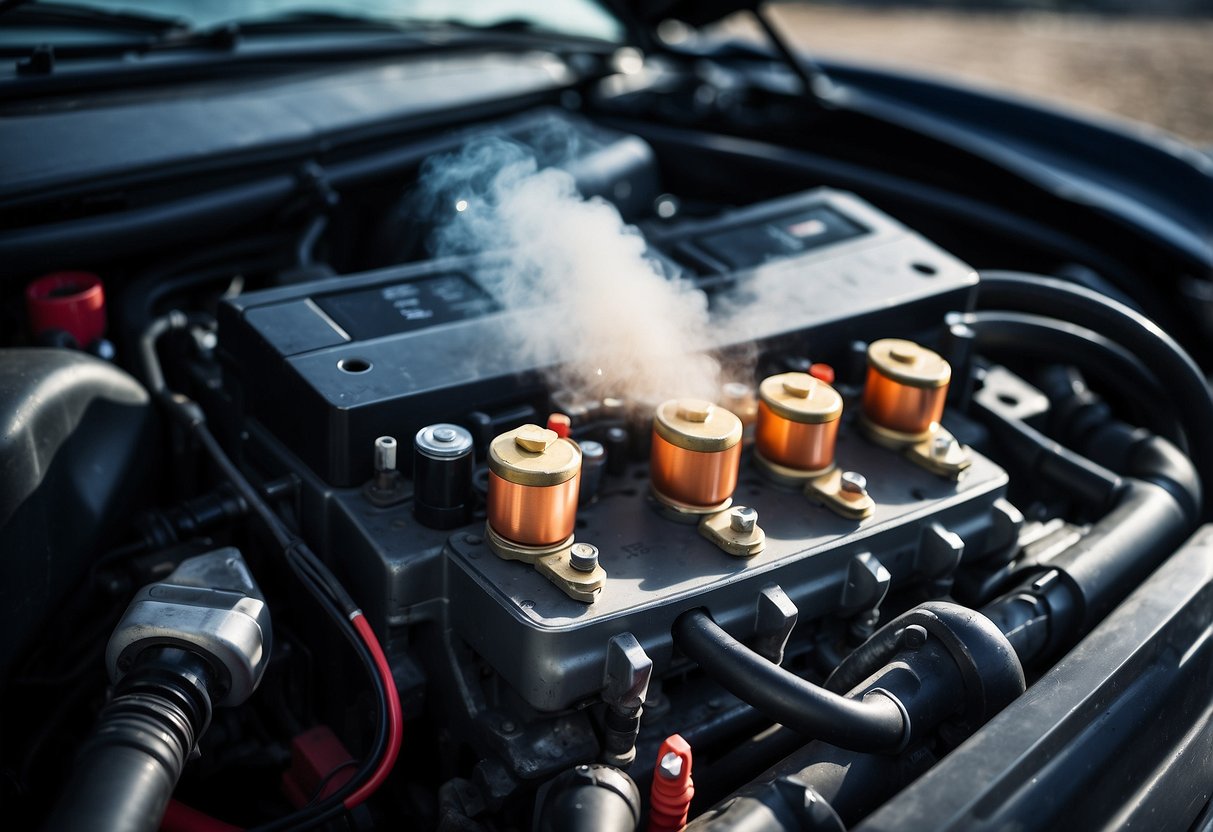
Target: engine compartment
(943, 553)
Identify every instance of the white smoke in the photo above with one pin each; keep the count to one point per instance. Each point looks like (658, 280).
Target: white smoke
(604, 316)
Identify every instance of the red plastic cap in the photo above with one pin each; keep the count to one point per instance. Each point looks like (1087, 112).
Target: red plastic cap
(670, 798)
(73, 302)
(822, 372)
(561, 424)
(318, 761)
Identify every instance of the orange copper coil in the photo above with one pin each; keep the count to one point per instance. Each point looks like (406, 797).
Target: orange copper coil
(805, 447)
(696, 452)
(906, 386)
(534, 478)
(533, 515)
(698, 478)
(798, 418)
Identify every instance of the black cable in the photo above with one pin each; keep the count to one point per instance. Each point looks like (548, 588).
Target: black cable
(875, 723)
(337, 605)
(1157, 350)
(321, 584)
(328, 778)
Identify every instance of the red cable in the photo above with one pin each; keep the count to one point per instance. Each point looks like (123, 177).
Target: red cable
(395, 719)
(181, 818)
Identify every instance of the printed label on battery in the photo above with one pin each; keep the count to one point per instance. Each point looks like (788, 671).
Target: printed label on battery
(402, 307)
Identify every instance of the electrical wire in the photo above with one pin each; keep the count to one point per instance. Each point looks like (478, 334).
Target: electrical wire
(320, 583)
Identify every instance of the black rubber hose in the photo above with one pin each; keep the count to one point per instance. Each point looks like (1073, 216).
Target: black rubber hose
(1051, 609)
(875, 723)
(1146, 526)
(1038, 337)
(1156, 349)
(129, 766)
(1090, 484)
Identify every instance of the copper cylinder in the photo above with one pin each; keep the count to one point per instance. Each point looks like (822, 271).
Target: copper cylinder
(696, 452)
(534, 479)
(798, 419)
(906, 386)
(533, 515)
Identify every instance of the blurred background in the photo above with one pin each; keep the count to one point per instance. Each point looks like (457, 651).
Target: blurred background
(1146, 60)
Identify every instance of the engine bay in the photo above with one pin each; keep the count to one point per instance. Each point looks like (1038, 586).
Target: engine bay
(662, 509)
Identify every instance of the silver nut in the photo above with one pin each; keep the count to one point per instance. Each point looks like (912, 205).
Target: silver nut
(851, 483)
(385, 453)
(743, 519)
(941, 446)
(583, 557)
(671, 765)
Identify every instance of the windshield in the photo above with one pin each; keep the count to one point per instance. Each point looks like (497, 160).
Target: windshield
(580, 18)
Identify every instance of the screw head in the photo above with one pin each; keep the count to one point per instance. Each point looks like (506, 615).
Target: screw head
(851, 483)
(671, 765)
(941, 446)
(583, 557)
(743, 519)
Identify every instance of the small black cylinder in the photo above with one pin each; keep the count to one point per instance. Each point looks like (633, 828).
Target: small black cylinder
(442, 476)
(616, 442)
(593, 465)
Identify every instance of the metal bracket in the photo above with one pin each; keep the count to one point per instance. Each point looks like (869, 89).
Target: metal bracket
(867, 583)
(775, 617)
(827, 490)
(736, 531)
(554, 563)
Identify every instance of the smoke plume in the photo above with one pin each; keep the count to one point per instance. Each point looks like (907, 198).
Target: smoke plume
(601, 314)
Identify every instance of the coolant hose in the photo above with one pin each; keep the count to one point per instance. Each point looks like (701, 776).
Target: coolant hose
(1155, 349)
(873, 723)
(129, 766)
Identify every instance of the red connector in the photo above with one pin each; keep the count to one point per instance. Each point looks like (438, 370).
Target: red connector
(560, 423)
(670, 798)
(822, 372)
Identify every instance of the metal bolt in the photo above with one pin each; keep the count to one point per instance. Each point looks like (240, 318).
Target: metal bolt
(385, 453)
(694, 410)
(802, 387)
(445, 435)
(743, 519)
(534, 438)
(942, 446)
(853, 486)
(671, 765)
(583, 557)
(914, 636)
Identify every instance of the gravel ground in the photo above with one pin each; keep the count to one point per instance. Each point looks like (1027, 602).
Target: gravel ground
(1157, 71)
